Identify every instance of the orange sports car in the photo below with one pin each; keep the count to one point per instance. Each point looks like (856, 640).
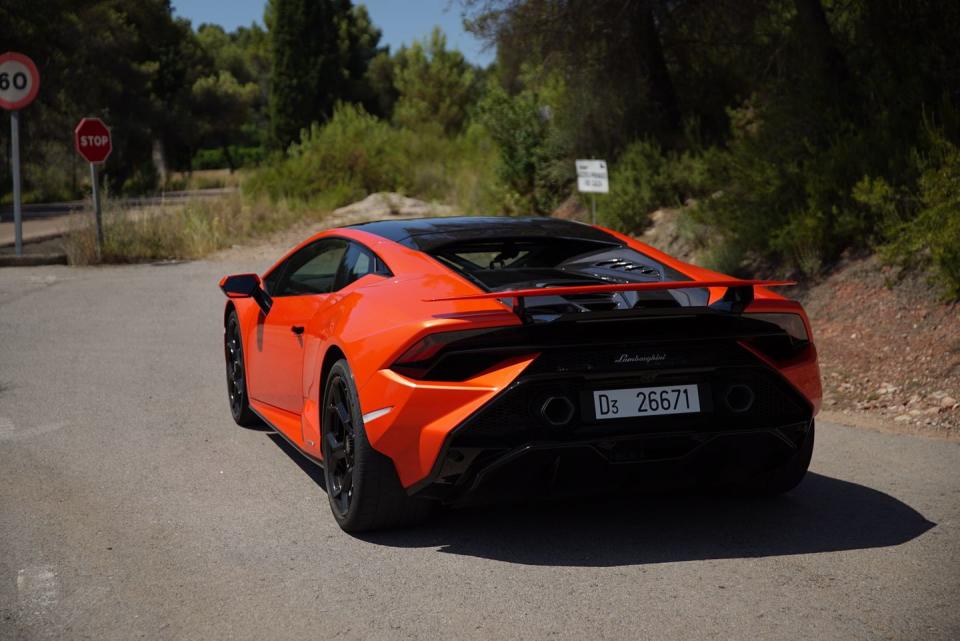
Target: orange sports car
(450, 360)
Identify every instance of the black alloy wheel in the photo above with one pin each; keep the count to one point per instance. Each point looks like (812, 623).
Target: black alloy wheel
(338, 445)
(362, 485)
(236, 374)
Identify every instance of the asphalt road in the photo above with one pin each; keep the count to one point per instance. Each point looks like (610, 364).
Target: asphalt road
(132, 507)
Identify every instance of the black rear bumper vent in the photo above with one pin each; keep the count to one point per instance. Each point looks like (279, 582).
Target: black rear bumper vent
(739, 398)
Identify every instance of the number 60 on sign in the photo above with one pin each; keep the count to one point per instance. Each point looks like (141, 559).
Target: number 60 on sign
(19, 81)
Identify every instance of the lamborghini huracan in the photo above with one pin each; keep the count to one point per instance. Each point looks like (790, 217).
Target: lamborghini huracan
(457, 360)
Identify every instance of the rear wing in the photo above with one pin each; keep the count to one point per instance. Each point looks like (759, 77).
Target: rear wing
(739, 294)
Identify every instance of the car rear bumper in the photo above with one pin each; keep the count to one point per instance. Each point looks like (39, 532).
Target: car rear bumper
(511, 447)
(431, 427)
(479, 475)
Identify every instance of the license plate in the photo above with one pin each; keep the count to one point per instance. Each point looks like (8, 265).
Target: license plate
(646, 401)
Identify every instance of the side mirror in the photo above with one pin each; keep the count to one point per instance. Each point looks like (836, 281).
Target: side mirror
(246, 286)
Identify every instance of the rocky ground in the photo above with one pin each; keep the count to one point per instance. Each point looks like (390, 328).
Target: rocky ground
(887, 349)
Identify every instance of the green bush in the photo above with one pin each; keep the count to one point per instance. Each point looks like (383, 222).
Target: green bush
(786, 191)
(931, 239)
(352, 155)
(644, 178)
(356, 154)
(216, 158)
(533, 165)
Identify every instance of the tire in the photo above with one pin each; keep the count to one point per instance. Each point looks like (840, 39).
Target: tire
(768, 483)
(236, 374)
(787, 476)
(362, 484)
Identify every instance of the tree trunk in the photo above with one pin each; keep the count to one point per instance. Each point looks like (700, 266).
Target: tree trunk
(826, 59)
(662, 90)
(225, 146)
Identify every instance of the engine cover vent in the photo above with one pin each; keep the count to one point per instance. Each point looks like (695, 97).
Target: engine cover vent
(628, 266)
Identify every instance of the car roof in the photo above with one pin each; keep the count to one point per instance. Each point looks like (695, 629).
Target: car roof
(425, 234)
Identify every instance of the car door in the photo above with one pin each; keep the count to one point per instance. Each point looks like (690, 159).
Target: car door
(300, 287)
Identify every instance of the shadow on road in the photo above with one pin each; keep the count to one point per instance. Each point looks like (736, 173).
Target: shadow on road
(309, 468)
(822, 515)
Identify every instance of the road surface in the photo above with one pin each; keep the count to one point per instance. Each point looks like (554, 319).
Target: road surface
(132, 507)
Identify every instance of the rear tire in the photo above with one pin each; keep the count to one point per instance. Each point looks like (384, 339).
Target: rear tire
(767, 483)
(236, 374)
(787, 476)
(362, 484)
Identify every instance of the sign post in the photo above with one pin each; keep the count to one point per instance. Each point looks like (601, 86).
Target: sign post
(93, 141)
(592, 179)
(19, 84)
(15, 171)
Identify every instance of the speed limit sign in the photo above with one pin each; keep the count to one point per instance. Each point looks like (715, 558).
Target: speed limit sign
(19, 81)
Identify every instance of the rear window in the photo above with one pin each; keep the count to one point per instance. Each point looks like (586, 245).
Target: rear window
(509, 263)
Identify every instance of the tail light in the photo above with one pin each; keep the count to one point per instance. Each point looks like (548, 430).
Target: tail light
(423, 355)
(792, 324)
(792, 342)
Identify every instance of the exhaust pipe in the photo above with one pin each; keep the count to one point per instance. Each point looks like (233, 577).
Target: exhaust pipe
(557, 410)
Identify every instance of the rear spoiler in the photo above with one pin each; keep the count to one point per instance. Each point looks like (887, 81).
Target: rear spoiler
(739, 292)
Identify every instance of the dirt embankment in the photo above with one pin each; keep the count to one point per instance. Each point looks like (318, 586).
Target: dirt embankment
(889, 351)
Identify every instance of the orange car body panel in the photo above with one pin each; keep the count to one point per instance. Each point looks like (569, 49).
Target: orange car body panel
(375, 319)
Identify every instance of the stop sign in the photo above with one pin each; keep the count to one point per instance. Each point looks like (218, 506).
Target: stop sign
(92, 140)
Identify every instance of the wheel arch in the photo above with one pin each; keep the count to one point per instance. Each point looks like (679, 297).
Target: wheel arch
(333, 354)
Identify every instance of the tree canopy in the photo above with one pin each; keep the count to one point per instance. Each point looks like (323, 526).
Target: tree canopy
(795, 129)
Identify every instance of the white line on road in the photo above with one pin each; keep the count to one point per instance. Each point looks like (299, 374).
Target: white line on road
(9, 431)
(38, 588)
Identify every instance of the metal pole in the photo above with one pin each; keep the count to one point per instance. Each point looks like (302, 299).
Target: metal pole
(96, 207)
(15, 164)
(593, 198)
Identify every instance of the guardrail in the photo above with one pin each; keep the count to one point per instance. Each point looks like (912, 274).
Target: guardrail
(50, 210)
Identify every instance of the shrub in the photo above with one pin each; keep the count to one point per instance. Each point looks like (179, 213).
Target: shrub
(216, 158)
(786, 188)
(534, 174)
(931, 239)
(352, 155)
(644, 178)
(356, 154)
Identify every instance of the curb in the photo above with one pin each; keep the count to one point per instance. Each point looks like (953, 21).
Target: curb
(32, 260)
(38, 238)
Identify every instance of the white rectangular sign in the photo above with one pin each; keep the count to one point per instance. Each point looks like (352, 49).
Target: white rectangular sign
(592, 176)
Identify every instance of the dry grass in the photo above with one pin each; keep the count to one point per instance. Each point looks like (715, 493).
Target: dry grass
(183, 231)
(204, 179)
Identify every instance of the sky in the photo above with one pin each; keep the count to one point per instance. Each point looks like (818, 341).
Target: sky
(402, 21)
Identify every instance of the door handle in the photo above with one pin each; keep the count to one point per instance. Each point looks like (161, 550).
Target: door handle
(297, 329)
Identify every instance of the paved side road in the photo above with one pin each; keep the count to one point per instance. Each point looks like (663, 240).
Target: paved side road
(132, 507)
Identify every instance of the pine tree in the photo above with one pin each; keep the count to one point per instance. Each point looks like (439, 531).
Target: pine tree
(307, 78)
(321, 52)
